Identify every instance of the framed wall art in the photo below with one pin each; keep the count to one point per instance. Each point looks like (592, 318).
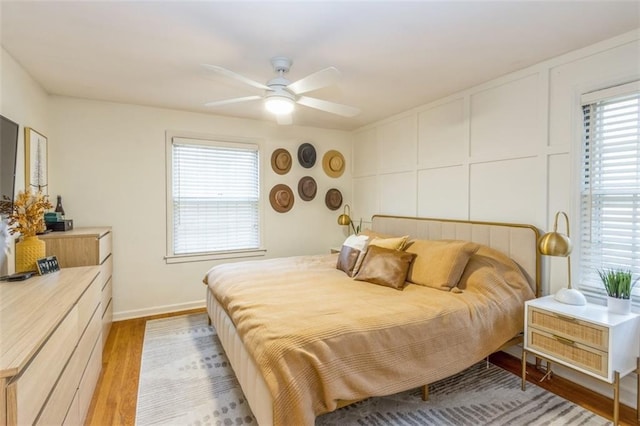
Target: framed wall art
(35, 154)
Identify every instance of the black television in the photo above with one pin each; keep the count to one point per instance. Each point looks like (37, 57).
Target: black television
(8, 160)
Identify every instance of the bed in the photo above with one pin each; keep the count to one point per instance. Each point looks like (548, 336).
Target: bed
(304, 338)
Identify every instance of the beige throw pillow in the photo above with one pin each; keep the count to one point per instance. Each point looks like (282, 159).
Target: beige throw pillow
(439, 263)
(394, 243)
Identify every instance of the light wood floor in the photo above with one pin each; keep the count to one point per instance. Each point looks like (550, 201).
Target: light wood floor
(114, 400)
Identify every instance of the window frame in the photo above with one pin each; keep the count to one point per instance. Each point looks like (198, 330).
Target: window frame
(209, 140)
(597, 294)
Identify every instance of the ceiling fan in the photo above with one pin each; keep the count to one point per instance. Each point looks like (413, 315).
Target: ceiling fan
(281, 95)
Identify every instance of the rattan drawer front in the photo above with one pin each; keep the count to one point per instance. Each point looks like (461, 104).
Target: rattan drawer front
(580, 331)
(564, 349)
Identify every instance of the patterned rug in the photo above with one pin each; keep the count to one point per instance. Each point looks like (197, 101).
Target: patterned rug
(185, 379)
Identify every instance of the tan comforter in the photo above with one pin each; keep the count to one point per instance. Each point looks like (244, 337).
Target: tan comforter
(319, 336)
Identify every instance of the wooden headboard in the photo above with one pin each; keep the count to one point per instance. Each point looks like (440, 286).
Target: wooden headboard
(518, 241)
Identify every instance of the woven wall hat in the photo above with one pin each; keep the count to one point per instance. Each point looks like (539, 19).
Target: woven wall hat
(333, 199)
(306, 155)
(281, 161)
(333, 163)
(307, 188)
(281, 198)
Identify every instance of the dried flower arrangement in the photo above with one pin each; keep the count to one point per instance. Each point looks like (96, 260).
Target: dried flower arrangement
(27, 217)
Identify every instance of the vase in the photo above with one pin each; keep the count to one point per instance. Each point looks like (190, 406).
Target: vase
(59, 208)
(618, 306)
(28, 251)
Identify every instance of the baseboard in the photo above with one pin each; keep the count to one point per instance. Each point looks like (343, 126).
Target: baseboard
(137, 313)
(627, 383)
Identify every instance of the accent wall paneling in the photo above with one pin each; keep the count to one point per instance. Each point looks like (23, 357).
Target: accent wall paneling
(442, 135)
(398, 194)
(365, 197)
(507, 191)
(436, 199)
(505, 119)
(398, 144)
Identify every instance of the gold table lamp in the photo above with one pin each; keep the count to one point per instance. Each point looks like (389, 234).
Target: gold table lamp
(345, 218)
(558, 244)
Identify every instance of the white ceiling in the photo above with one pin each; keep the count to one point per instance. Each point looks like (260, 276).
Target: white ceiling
(393, 55)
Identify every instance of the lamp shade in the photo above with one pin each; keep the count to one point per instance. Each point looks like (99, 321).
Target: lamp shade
(279, 105)
(555, 244)
(344, 219)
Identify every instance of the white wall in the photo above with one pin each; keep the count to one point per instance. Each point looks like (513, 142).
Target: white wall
(25, 102)
(506, 151)
(108, 163)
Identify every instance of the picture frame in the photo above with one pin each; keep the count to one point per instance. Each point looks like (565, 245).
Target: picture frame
(36, 161)
(47, 265)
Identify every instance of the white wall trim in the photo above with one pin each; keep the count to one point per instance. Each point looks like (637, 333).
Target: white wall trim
(165, 309)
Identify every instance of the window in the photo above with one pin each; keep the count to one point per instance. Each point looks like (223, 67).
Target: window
(213, 198)
(610, 185)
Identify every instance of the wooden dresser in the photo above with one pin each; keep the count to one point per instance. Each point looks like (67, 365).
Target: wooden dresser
(85, 247)
(50, 347)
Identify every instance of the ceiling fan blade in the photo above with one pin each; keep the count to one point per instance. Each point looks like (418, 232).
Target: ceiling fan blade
(317, 80)
(284, 119)
(235, 75)
(233, 101)
(332, 107)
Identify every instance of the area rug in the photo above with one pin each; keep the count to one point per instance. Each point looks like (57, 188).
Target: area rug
(185, 379)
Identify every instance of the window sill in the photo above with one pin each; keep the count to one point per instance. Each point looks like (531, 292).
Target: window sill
(214, 256)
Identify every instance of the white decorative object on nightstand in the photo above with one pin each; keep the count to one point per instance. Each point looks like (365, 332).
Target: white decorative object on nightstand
(588, 339)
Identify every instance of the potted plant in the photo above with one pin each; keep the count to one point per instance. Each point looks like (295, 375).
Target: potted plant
(618, 284)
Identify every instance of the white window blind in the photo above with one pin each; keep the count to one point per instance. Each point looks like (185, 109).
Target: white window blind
(610, 185)
(215, 197)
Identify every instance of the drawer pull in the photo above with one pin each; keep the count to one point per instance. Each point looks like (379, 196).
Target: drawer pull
(564, 340)
(569, 319)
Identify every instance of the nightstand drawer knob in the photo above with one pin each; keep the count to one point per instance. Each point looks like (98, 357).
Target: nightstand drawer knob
(564, 340)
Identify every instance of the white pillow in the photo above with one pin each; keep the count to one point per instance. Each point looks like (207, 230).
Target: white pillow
(351, 254)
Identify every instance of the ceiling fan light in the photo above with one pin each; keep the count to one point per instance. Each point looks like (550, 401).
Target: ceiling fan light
(279, 105)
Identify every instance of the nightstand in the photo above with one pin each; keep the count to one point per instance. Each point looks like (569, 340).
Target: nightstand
(587, 339)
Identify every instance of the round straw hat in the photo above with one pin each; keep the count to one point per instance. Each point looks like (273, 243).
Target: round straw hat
(333, 199)
(281, 198)
(333, 163)
(306, 155)
(307, 188)
(281, 161)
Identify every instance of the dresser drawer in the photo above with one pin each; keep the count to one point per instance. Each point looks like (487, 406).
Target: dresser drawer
(107, 319)
(106, 270)
(564, 349)
(106, 296)
(88, 304)
(60, 400)
(104, 244)
(73, 415)
(573, 329)
(89, 380)
(31, 389)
